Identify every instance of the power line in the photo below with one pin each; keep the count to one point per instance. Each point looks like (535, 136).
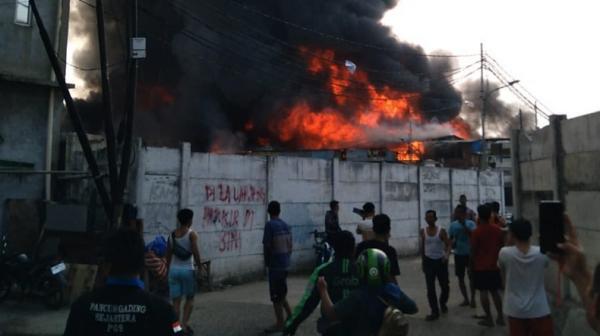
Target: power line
(301, 62)
(519, 95)
(501, 68)
(491, 68)
(338, 38)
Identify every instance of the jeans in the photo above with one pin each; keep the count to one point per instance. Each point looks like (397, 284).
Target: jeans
(436, 268)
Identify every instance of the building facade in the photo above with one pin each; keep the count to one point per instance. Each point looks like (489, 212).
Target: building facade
(31, 105)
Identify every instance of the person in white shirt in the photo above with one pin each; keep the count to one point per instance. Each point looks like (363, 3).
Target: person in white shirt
(525, 300)
(365, 228)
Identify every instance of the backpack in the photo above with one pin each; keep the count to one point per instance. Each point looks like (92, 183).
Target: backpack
(180, 251)
(394, 323)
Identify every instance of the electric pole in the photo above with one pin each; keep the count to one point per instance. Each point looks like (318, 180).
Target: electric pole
(520, 119)
(536, 114)
(482, 95)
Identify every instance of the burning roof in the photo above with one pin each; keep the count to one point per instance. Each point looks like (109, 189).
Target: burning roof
(294, 74)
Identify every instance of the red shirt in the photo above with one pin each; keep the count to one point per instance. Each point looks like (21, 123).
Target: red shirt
(486, 242)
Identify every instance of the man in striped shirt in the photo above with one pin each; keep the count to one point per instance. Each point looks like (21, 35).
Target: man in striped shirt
(277, 247)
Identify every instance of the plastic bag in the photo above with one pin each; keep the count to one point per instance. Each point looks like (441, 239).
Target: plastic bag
(158, 246)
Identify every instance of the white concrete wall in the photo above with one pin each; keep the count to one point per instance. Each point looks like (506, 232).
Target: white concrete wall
(303, 187)
(229, 194)
(401, 203)
(356, 184)
(436, 194)
(580, 179)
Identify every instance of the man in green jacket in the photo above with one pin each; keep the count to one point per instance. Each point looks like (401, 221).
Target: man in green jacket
(342, 278)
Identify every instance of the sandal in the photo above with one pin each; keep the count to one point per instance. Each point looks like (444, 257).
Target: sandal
(486, 323)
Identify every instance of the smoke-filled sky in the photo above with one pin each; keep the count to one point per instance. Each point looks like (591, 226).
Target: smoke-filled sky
(233, 71)
(550, 45)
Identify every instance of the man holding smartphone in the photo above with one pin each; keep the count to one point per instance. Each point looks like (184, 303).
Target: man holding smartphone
(523, 266)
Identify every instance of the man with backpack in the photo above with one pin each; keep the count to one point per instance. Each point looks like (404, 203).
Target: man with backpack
(460, 233)
(377, 307)
(182, 246)
(342, 276)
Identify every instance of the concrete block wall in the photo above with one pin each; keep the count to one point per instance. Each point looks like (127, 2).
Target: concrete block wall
(561, 161)
(303, 187)
(581, 163)
(400, 200)
(229, 195)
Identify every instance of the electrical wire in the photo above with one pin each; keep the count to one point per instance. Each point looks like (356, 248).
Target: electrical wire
(338, 38)
(501, 68)
(519, 94)
(301, 63)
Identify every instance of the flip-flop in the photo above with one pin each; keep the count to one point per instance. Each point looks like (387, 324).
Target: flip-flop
(486, 323)
(272, 330)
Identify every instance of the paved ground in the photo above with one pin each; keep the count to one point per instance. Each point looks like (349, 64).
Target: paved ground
(246, 310)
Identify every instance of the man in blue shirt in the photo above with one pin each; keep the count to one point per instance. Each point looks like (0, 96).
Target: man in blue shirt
(460, 232)
(277, 248)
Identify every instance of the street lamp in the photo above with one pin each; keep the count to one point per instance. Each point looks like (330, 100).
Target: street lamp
(484, 99)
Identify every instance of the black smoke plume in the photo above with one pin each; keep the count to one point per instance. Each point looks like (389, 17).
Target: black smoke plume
(214, 66)
(501, 117)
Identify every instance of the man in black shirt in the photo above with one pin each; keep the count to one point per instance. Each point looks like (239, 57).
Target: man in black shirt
(381, 228)
(342, 278)
(332, 222)
(122, 307)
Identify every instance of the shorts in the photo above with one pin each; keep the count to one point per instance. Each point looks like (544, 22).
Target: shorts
(461, 264)
(487, 280)
(277, 285)
(542, 326)
(182, 282)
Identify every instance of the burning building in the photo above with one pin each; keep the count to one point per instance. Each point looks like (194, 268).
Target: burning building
(230, 76)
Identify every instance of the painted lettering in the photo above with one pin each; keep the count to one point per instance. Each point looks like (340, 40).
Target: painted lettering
(230, 241)
(237, 194)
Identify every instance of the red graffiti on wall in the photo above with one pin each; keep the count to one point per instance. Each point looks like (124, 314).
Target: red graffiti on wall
(227, 218)
(249, 218)
(230, 241)
(228, 194)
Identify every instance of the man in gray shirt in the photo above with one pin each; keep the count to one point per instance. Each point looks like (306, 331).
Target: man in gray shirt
(525, 300)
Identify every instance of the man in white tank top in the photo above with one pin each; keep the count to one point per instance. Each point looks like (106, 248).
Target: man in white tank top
(435, 248)
(182, 251)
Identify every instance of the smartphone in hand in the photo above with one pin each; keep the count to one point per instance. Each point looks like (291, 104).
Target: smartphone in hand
(552, 226)
(359, 212)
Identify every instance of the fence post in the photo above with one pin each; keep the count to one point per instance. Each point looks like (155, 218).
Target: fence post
(184, 177)
(140, 176)
(516, 173)
(381, 187)
(335, 178)
(559, 185)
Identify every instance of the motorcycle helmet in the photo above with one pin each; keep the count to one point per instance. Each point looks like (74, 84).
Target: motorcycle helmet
(22, 258)
(373, 267)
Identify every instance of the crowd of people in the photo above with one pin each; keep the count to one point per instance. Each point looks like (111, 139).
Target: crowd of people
(359, 289)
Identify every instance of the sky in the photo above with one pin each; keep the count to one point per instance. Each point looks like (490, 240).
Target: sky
(551, 46)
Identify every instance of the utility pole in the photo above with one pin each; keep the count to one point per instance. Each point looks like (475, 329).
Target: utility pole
(107, 107)
(520, 119)
(73, 113)
(536, 114)
(132, 72)
(482, 95)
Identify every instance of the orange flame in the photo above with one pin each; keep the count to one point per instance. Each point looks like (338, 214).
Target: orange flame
(410, 151)
(461, 128)
(153, 96)
(360, 110)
